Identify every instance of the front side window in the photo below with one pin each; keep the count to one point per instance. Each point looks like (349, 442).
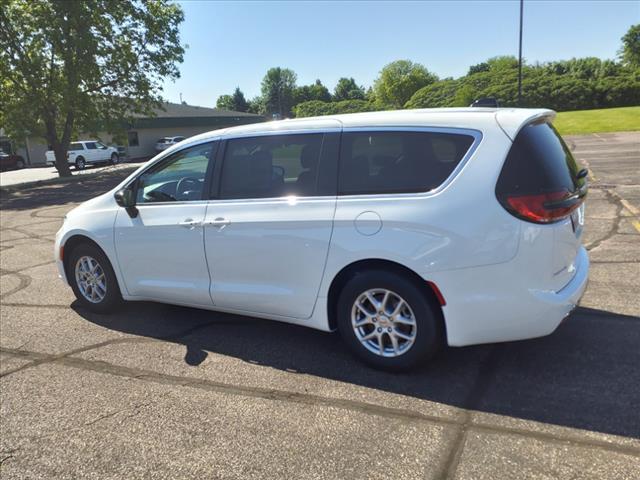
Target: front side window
(271, 166)
(398, 162)
(91, 145)
(179, 178)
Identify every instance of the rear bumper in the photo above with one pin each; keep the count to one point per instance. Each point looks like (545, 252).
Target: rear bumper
(493, 304)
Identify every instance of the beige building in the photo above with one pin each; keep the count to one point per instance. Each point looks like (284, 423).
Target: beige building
(141, 136)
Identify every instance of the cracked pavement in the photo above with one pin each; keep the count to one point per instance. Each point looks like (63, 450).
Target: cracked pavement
(158, 391)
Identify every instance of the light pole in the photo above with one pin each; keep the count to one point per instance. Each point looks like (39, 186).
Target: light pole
(520, 58)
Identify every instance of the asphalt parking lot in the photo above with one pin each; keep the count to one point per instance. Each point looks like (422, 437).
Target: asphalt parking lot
(159, 391)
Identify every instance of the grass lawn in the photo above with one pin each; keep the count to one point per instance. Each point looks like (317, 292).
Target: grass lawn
(623, 119)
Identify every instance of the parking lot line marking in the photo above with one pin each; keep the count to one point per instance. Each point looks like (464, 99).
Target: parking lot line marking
(624, 202)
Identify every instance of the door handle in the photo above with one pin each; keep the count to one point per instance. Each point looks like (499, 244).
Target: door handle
(190, 223)
(218, 222)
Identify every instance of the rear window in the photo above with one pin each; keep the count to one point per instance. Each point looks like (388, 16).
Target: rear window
(398, 162)
(539, 162)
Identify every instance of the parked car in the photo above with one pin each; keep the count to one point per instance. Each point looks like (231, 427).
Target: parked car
(166, 142)
(10, 161)
(84, 152)
(402, 230)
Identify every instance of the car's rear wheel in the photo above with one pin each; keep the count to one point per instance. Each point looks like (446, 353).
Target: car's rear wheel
(388, 321)
(80, 163)
(19, 164)
(92, 279)
(114, 159)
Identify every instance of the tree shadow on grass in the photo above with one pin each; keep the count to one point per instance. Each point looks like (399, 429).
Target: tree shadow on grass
(585, 375)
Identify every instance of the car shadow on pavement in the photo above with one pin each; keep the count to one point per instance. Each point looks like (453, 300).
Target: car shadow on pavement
(585, 375)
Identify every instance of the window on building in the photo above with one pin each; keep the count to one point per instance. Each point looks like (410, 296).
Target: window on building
(132, 139)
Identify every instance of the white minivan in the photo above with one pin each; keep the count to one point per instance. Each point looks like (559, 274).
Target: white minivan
(403, 230)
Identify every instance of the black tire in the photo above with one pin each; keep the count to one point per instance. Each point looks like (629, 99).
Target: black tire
(114, 159)
(112, 298)
(429, 332)
(80, 163)
(19, 164)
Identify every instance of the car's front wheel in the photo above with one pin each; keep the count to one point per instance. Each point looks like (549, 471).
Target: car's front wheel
(92, 279)
(19, 164)
(114, 159)
(388, 321)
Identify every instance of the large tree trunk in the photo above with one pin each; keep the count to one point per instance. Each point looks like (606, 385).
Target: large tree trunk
(60, 147)
(62, 165)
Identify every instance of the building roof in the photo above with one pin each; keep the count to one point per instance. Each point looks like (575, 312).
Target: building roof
(173, 115)
(177, 110)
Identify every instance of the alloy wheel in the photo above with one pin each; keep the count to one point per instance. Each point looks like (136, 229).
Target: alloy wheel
(91, 279)
(383, 322)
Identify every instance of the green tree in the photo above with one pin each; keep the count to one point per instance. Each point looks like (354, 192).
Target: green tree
(235, 102)
(438, 94)
(317, 108)
(630, 51)
(399, 80)
(225, 102)
(348, 89)
(71, 66)
(278, 87)
(240, 103)
(315, 91)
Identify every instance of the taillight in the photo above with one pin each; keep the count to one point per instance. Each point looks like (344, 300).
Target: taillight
(544, 207)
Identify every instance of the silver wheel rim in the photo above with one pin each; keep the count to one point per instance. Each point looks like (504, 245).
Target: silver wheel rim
(383, 322)
(91, 279)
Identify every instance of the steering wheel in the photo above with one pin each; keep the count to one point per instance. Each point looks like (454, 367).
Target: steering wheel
(185, 185)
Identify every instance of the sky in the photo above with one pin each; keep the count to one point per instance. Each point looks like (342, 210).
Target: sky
(234, 43)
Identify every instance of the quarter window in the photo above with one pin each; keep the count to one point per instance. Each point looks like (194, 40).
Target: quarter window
(271, 166)
(397, 162)
(181, 177)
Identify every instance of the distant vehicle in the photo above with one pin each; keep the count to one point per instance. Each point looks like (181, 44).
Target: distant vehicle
(403, 230)
(11, 162)
(166, 142)
(87, 151)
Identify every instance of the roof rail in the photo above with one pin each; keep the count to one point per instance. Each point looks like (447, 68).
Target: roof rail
(485, 102)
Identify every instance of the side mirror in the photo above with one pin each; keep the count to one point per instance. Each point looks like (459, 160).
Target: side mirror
(126, 198)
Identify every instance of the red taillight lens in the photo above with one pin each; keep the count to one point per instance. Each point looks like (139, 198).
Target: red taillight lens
(539, 208)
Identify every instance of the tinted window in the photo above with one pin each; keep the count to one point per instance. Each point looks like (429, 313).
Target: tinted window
(91, 145)
(538, 162)
(180, 178)
(271, 166)
(388, 162)
(76, 146)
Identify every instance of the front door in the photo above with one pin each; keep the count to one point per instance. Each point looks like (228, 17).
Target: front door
(267, 234)
(161, 250)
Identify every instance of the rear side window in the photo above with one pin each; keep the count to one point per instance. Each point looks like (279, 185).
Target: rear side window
(398, 162)
(76, 146)
(539, 162)
(271, 166)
